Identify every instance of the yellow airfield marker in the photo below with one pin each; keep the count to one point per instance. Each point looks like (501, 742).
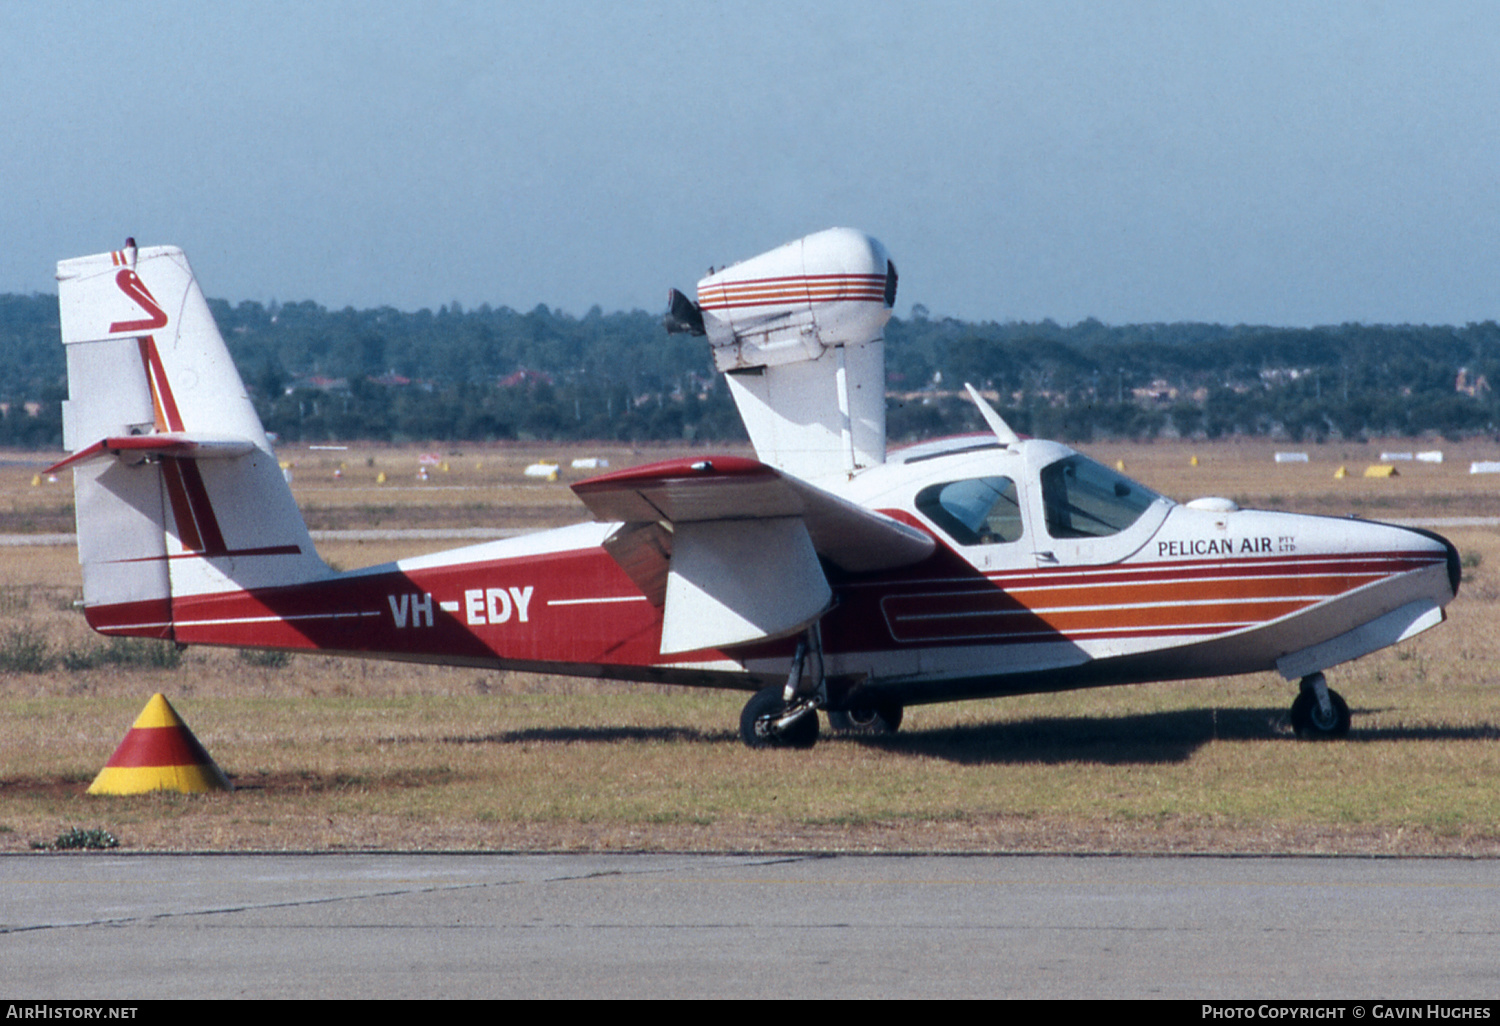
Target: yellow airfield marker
(159, 753)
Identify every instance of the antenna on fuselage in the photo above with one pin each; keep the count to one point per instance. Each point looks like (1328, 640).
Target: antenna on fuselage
(994, 420)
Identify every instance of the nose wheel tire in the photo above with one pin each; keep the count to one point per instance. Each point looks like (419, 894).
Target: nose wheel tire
(762, 726)
(1311, 723)
(872, 720)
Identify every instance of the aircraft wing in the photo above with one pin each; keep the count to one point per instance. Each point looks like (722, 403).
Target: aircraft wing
(734, 488)
(730, 547)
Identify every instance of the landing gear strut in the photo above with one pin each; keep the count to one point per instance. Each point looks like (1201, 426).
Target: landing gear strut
(1319, 713)
(769, 722)
(787, 717)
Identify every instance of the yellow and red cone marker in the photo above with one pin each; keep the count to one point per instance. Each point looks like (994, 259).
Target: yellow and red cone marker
(159, 754)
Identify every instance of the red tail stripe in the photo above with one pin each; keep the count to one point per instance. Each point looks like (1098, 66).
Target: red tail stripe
(167, 416)
(197, 526)
(202, 508)
(182, 509)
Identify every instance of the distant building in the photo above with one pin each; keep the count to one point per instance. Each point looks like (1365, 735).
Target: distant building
(1476, 388)
(525, 377)
(318, 383)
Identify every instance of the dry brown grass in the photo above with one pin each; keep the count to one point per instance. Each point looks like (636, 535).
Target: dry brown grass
(340, 754)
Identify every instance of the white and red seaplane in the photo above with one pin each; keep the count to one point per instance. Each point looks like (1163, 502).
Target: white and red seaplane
(825, 574)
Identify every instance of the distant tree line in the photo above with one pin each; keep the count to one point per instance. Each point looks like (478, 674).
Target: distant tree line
(1093, 380)
(493, 374)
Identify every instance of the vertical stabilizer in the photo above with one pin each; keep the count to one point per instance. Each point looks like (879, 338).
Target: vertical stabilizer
(177, 490)
(798, 332)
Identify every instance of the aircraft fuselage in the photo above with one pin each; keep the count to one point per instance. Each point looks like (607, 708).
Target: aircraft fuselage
(1028, 600)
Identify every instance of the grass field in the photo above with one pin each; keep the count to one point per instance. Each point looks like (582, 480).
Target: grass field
(349, 754)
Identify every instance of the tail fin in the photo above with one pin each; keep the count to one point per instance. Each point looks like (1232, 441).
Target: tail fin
(176, 488)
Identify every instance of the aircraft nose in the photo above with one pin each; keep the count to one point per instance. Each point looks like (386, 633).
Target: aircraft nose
(1455, 565)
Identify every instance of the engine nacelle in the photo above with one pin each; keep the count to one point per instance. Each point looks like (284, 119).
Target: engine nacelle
(829, 289)
(798, 332)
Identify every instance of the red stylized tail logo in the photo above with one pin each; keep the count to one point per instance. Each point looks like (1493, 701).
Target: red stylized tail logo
(131, 284)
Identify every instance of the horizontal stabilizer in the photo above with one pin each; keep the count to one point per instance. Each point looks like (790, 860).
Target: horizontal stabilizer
(135, 448)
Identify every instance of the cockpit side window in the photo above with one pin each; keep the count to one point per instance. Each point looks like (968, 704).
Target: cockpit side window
(980, 511)
(1086, 500)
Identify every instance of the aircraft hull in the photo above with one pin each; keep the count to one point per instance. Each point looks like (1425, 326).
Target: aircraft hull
(934, 631)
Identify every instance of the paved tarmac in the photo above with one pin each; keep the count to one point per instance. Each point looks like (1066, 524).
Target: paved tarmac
(383, 926)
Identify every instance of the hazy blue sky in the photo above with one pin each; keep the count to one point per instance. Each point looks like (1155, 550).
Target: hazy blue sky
(1281, 163)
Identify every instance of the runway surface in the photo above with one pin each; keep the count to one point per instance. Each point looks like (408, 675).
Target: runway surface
(375, 926)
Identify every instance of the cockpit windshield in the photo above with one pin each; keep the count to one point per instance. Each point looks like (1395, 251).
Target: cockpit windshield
(1083, 499)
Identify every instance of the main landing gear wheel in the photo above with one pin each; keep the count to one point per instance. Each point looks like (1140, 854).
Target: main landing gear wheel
(763, 724)
(867, 719)
(1313, 718)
